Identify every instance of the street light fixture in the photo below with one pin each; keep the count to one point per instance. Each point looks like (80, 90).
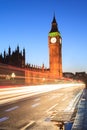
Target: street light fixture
(13, 75)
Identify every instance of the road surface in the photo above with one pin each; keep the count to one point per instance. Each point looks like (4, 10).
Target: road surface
(37, 108)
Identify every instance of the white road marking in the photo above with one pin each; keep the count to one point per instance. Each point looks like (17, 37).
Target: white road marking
(36, 104)
(54, 96)
(37, 99)
(52, 107)
(73, 102)
(64, 99)
(4, 119)
(11, 109)
(29, 124)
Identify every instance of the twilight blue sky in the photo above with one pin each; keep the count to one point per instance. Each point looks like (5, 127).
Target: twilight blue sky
(27, 23)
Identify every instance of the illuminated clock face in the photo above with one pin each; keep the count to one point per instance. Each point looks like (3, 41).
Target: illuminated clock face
(53, 39)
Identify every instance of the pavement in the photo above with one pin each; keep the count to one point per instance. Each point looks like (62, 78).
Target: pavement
(80, 122)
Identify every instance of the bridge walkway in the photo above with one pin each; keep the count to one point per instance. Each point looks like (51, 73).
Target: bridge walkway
(80, 122)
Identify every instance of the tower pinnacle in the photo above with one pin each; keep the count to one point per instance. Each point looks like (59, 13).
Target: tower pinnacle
(54, 27)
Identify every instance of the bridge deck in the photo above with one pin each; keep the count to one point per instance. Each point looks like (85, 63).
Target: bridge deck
(80, 122)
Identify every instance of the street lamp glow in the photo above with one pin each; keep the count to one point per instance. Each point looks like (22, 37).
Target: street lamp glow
(13, 75)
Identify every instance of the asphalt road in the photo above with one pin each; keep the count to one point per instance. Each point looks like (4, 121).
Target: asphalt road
(40, 107)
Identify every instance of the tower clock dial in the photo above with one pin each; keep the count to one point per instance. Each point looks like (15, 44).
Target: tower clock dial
(53, 39)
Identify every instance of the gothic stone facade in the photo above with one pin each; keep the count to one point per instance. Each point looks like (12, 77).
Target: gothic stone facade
(43, 75)
(33, 74)
(14, 58)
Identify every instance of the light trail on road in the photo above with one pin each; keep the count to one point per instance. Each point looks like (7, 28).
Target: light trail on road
(13, 94)
(43, 106)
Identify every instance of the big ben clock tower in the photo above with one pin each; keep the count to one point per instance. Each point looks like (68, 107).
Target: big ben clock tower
(55, 54)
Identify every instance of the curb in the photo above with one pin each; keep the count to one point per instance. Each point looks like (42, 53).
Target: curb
(29, 125)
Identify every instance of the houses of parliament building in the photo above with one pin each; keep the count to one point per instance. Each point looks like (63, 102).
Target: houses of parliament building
(14, 62)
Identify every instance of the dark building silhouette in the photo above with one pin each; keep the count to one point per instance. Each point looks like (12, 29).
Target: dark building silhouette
(14, 58)
(33, 74)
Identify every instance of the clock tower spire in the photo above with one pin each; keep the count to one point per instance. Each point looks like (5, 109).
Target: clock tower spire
(54, 27)
(55, 46)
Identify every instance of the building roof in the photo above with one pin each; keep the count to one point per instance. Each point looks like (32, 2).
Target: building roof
(54, 28)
